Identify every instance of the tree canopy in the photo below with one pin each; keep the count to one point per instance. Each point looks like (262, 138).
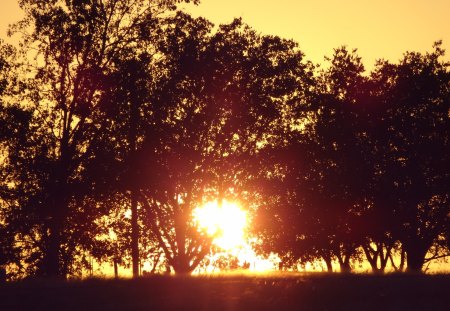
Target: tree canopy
(119, 118)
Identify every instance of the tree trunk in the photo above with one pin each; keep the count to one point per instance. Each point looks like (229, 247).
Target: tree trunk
(2, 274)
(52, 265)
(116, 269)
(345, 267)
(329, 265)
(415, 258)
(375, 255)
(134, 220)
(134, 119)
(344, 263)
(328, 262)
(155, 263)
(134, 235)
(384, 257)
(181, 263)
(58, 204)
(371, 256)
(51, 258)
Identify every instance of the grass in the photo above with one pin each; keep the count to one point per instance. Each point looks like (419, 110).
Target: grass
(278, 292)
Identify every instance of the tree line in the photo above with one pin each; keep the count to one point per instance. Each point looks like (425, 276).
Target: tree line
(118, 118)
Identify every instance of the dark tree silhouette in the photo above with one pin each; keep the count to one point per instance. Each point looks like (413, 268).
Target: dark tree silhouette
(76, 42)
(413, 147)
(131, 116)
(369, 169)
(321, 189)
(9, 136)
(341, 168)
(226, 91)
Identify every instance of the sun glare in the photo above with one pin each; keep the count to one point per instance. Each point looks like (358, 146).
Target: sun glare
(228, 224)
(225, 222)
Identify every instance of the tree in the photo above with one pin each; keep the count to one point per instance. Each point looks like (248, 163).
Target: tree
(76, 42)
(412, 167)
(132, 113)
(9, 134)
(226, 91)
(319, 193)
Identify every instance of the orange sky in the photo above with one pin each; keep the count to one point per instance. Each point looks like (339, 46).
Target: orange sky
(378, 28)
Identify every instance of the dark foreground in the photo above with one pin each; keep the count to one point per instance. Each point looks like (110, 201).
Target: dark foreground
(299, 292)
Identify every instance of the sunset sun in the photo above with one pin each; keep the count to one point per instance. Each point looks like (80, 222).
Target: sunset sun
(226, 223)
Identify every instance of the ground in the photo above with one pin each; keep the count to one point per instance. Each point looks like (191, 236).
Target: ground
(281, 292)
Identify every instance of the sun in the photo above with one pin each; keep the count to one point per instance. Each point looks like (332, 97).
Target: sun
(225, 222)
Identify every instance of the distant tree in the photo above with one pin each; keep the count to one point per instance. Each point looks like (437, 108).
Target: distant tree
(225, 262)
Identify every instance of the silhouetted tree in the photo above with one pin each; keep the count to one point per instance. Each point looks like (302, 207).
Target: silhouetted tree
(226, 91)
(368, 168)
(342, 166)
(128, 108)
(412, 142)
(132, 116)
(76, 42)
(9, 135)
(320, 194)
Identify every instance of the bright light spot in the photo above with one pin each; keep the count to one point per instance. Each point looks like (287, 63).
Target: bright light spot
(226, 223)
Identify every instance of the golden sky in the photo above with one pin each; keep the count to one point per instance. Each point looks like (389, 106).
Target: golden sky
(378, 28)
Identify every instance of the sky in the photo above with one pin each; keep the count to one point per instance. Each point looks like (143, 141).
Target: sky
(377, 28)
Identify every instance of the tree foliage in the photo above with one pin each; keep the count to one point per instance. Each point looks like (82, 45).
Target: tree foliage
(370, 173)
(76, 44)
(224, 92)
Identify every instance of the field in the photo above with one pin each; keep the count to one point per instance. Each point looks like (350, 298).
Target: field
(281, 292)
